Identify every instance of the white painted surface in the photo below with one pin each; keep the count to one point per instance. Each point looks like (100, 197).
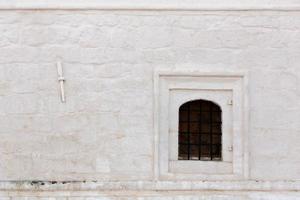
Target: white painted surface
(105, 131)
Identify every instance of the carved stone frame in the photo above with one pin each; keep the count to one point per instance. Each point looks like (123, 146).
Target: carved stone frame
(175, 87)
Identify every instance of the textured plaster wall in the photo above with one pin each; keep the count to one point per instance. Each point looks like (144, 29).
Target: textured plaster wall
(104, 131)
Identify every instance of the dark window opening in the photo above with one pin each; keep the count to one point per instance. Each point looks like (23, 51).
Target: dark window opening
(200, 131)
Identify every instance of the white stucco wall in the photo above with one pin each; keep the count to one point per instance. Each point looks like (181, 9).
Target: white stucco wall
(105, 131)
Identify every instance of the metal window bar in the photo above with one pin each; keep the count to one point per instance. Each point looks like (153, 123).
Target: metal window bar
(199, 134)
(211, 147)
(189, 135)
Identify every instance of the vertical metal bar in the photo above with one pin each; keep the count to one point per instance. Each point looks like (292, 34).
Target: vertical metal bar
(188, 132)
(179, 133)
(200, 128)
(211, 132)
(220, 134)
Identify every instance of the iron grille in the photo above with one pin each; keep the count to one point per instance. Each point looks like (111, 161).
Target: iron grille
(200, 131)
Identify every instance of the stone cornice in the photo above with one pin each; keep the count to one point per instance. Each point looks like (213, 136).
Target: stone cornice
(168, 5)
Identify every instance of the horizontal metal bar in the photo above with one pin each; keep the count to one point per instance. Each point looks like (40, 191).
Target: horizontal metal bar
(215, 122)
(202, 133)
(196, 144)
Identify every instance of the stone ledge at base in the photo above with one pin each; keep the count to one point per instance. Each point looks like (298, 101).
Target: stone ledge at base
(267, 186)
(138, 195)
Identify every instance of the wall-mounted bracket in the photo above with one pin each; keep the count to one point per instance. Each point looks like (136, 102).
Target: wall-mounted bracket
(61, 80)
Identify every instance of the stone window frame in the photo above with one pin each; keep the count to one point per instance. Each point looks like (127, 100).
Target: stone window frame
(168, 81)
(177, 97)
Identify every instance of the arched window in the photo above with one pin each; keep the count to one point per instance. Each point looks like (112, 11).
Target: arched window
(200, 131)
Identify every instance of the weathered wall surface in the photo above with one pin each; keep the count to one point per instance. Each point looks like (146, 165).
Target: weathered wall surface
(104, 132)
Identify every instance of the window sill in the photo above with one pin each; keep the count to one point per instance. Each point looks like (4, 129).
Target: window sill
(200, 167)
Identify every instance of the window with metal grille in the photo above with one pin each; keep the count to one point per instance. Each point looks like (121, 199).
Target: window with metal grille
(200, 131)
